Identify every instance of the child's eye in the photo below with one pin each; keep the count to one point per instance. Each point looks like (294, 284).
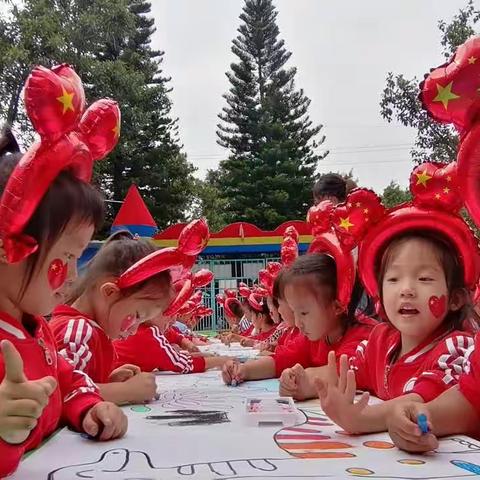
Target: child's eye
(303, 313)
(391, 279)
(426, 279)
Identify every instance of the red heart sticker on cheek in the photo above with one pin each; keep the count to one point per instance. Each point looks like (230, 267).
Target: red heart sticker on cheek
(437, 305)
(57, 274)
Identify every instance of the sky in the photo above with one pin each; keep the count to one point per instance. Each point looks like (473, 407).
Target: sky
(342, 49)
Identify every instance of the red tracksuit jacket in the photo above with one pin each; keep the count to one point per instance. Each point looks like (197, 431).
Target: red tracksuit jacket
(315, 354)
(469, 383)
(83, 343)
(429, 369)
(151, 350)
(74, 396)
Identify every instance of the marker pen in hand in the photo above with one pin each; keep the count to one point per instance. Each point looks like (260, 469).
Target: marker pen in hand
(423, 423)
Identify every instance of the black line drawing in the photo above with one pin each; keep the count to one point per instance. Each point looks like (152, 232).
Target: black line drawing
(190, 417)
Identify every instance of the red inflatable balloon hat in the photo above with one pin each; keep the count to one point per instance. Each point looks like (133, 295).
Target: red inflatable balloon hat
(187, 309)
(197, 297)
(450, 94)
(229, 302)
(194, 237)
(202, 278)
(202, 311)
(259, 290)
(326, 240)
(433, 209)
(289, 247)
(70, 139)
(273, 268)
(229, 293)
(220, 299)
(244, 290)
(256, 302)
(181, 298)
(266, 279)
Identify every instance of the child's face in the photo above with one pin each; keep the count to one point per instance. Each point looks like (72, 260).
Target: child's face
(273, 310)
(415, 295)
(47, 286)
(286, 312)
(120, 316)
(314, 316)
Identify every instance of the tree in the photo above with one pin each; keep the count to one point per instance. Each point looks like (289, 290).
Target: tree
(269, 175)
(400, 97)
(394, 195)
(108, 43)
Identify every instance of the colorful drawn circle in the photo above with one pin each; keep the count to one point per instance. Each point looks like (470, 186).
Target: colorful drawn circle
(411, 461)
(140, 409)
(379, 445)
(360, 471)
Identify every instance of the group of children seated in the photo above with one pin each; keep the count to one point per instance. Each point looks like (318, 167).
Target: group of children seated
(382, 302)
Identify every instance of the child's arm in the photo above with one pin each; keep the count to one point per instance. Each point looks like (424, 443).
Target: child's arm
(139, 388)
(337, 397)
(215, 362)
(188, 345)
(258, 369)
(449, 414)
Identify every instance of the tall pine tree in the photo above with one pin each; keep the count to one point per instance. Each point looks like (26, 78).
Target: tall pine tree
(108, 43)
(269, 175)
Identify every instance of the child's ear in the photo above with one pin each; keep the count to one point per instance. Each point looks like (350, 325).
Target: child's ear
(110, 290)
(458, 299)
(338, 309)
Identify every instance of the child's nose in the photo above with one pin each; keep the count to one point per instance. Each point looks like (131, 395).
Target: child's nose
(407, 289)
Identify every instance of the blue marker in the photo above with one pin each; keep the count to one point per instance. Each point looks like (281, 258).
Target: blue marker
(422, 423)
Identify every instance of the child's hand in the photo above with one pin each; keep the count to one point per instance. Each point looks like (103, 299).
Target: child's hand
(21, 401)
(176, 347)
(404, 430)
(233, 371)
(123, 373)
(193, 348)
(142, 387)
(337, 395)
(247, 342)
(105, 421)
(294, 383)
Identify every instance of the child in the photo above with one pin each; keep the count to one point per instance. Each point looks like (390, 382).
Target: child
(411, 260)
(150, 350)
(99, 311)
(454, 411)
(175, 337)
(48, 216)
(261, 320)
(312, 294)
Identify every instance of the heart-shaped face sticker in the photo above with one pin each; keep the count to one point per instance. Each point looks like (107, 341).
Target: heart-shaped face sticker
(438, 305)
(54, 100)
(450, 92)
(435, 186)
(352, 219)
(57, 274)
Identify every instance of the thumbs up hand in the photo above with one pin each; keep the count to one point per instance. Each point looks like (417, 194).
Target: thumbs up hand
(21, 400)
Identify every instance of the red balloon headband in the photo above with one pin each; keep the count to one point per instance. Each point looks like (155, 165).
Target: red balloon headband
(288, 254)
(256, 301)
(71, 138)
(192, 240)
(327, 241)
(364, 220)
(450, 95)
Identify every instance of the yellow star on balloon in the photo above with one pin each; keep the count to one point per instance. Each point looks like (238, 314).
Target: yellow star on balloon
(423, 178)
(445, 95)
(66, 100)
(446, 190)
(472, 60)
(345, 223)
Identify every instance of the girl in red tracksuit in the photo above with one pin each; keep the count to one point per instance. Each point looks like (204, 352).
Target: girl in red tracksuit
(310, 290)
(99, 312)
(39, 390)
(151, 350)
(419, 353)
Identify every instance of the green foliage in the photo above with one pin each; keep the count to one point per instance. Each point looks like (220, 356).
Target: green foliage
(269, 175)
(394, 195)
(108, 43)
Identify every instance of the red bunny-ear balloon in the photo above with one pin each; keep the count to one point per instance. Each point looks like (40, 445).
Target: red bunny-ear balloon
(256, 302)
(319, 217)
(203, 311)
(220, 299)
(351, 219)
(435, 185)
(229, 302)
(55, 103)
(186, 291)
(194, 237)
(244, 290)
(229, 293)
(266, 279)
(54, 100)
(197, 297)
